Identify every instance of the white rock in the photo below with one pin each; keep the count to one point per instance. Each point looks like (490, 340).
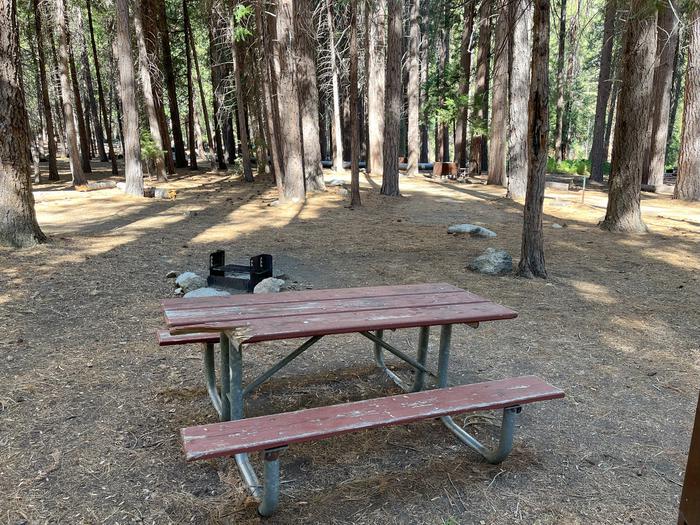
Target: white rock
(557, 226)
(206, 292)
(471, 229)
(178, 291)
(189, 281)
(335, 182)
(269, 285)
(121, 185)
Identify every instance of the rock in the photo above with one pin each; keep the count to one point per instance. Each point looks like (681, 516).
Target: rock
(492, 262)
(471, 229)
(171, 274)
(269, 285)
(189, 281)
(206, 292)
(343, 192)
(178, 291)
(557, 226)
(335, 182)
(121, 185)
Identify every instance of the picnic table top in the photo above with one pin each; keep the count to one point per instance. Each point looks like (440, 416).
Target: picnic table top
(287, 315)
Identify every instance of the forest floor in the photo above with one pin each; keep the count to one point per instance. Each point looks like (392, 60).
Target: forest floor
(91, 407)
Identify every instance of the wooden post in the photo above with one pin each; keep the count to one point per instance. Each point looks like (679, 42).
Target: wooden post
(690, 497)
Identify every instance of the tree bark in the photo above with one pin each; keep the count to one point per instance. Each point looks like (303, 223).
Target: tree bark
(269, 35)
(45, 100)
(335, 80)
(67, 94)
(169, 70)
(148, 99)
(559, 121)
(191, 139)
(18, 224)
(413, 89)
(215, 68)
(127, 94)
(442, 143)
(423, 53)
(666, 46)
(499, 118)
(239, 63)
(688, 182)
(521, 29)
(678, 66)
(598, 155)
(202, 98)
(291, 143)
(376, 85)
(392, 99)
(308, 96)
(532, 263)
(571, 72)
(79, 113)
(463, 102)
(632, 122)
(479, 144)
(355, 199)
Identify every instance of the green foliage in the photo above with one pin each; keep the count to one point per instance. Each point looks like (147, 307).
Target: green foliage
(580, 167)
(149, 151)
(242, 20)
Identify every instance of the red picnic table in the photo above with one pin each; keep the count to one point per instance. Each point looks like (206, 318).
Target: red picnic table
(243, 320)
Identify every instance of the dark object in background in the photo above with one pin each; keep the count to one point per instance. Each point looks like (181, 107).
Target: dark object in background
(238, 276)
(690, 498)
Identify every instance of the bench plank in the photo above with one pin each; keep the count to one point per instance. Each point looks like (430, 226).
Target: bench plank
(165, 338)
(266, 432)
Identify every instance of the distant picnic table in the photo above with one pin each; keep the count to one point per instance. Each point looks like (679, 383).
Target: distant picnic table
(239, 322)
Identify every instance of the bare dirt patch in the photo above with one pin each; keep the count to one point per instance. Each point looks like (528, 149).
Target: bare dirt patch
(90, 406)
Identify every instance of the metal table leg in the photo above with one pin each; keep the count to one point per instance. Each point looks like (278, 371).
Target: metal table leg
(210, 374)
(379, 358)
(225, 413)
(510, 414)
(423, 339)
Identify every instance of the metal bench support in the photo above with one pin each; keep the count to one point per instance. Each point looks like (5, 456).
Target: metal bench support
(510, 414)
(210, 374)
(418, 365)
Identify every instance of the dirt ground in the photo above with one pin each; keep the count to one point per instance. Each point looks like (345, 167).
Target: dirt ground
(90, 406)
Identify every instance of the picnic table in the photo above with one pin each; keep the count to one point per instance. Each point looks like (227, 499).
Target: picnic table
(241, 321)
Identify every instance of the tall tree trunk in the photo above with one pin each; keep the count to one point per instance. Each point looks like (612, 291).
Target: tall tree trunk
(376, 85)
(678, 66)
(423, 53)
(58, 103)
(202, 98)
(571, 72)
(215, 68)
(100, 93)
(612, 110)
(67, 95)
(354, 115)
(239, 63)
(79, 114)
(559, 121)
(291, 144)
(308, 96)
(463, 102)
(335, 74)
(191, 142)
(632, 121)
(598, 155)
(87, 78)
(127, 94)
(269, 35)
(666, 45)
(442, 147)
(499, 118)
(392, 99)
(532, 249)
(688, 183)
(18, 224)
(170, 80)
(518, 165)
(45, 100)
(148, 99)
(413, 89)
(479, 145)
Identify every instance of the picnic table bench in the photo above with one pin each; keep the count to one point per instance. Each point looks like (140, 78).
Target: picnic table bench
(240, 321)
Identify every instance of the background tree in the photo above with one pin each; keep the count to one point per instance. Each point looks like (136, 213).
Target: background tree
(479, 145)
(632, 123)
(18, 225)
(392, 99)
(376, 72)
(499, 115)
(127, 90)
(532, 249)
(355, 124)
(688, 183)
(413, 89)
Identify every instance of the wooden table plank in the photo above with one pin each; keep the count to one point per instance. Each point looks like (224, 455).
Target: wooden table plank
(265, 432)
(270, 329)
(195, 315)
(307, 295)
